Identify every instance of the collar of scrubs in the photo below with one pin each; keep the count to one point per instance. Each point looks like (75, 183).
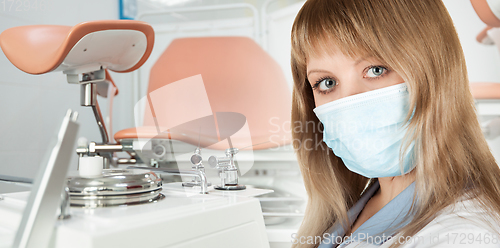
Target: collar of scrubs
(381, 226)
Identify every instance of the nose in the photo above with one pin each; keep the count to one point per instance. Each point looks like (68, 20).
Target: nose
(350, 87)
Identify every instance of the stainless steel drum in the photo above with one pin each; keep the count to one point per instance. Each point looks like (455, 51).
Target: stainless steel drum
(115, 187)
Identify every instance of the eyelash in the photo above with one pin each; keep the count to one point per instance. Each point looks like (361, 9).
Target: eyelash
(373, 66)
(315, 86)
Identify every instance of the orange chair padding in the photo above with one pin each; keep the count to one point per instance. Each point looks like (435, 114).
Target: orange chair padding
(483, 35)
(39, 49)
(485, 13)
(201, 130)
(239, 77)
(485, 90)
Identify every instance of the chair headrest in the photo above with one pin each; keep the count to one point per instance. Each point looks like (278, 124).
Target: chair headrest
(119, 45)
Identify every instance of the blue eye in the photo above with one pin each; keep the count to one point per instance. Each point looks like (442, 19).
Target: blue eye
(376, 71)
(326, 84)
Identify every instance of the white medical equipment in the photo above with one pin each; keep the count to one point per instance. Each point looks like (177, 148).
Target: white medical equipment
(40, 210)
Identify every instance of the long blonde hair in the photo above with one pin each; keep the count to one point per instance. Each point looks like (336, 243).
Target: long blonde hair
(417, 40)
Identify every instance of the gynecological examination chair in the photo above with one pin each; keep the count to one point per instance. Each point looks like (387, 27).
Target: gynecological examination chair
(84, 53)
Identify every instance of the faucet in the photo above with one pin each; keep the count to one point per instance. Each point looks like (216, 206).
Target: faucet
(228, 170)
(197, 162)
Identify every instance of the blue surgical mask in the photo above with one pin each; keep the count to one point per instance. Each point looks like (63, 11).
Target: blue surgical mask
(366, 131)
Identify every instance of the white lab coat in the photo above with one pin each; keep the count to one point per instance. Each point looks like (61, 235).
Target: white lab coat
(464, 224)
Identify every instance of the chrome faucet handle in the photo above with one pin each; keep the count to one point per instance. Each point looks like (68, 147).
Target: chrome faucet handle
(219, 162)
(196, 158)
(197, 161)
(228, 170)
(224, 162)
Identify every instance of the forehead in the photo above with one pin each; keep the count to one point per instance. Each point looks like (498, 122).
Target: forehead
(333, 58)
(323, 49)
(329, 54)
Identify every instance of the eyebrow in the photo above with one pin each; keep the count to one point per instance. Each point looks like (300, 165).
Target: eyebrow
(325, 71)
(315, 71)
(361, 60)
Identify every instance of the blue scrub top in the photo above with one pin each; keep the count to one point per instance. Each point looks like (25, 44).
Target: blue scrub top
(380, 227)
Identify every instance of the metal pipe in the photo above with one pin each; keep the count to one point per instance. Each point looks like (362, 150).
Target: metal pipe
(126, 161)
(88, 94)
(100, 123)
(95, 148)
(88, 98)
(199, 174)
(263, 23)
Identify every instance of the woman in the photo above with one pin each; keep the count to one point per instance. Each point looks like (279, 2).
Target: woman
(404, 161)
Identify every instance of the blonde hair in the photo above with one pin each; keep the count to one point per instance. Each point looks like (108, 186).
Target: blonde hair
(417, 40)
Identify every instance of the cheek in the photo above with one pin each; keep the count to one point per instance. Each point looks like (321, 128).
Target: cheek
(397, 79)
(320, 99)
(317, 99)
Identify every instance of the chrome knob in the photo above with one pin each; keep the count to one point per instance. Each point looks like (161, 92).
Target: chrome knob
(228, 170)
(219, 162)
(196, 159)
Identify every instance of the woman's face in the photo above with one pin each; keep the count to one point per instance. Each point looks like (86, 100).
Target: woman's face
(336, 76)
